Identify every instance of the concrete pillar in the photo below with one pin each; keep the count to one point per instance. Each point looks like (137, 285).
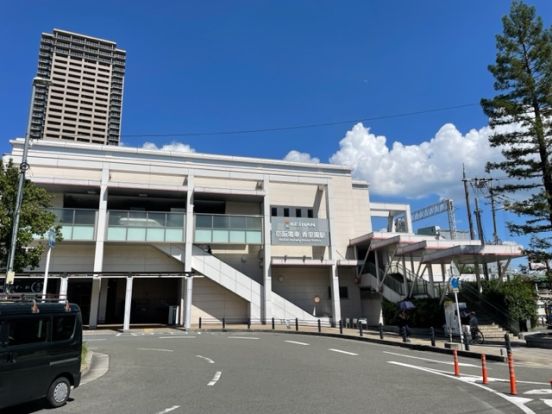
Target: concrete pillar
(103, 300)
(101, 225)
(182, 300)
(128, 304)
(188, 302)
(443, 272)
(405, 278)
(63, 286)
(189, 224)
(334, 278)
(431, 281)
(376, 262)
(408, 217)
(267, 267)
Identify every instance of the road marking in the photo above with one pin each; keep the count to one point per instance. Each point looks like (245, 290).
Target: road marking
(517, 401)
(209, 360)
(119, 334)
(462, 364)
(95, 339)
(242, 337)
(168, 410)
(176, 337)
(215, 379)
(539, 392)
(297, 343)
(155, 349)
(342, 352)
(547, 402)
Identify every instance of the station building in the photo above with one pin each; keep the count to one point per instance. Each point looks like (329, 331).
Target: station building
(211, 236)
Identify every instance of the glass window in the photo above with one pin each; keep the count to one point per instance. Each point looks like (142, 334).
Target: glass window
(298, 212)
(204, 222)
(27, 330)
(64, 327)
(85, 217)
(273, 211)
(220, 222)
(237, 222)
(286, 212)
(310, 213)
(254, 223)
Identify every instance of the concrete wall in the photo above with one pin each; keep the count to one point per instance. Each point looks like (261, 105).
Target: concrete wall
(245, 258)
(224, 183)
(235, 207)
(212, 301)
(69, 257)
(301, 285)
(138, 258)
(351, 306)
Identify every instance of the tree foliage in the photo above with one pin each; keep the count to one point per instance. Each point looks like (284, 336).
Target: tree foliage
(521, 114)
(34, 219)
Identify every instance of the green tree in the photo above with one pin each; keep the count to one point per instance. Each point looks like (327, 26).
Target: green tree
(522, 111)
(34, 219)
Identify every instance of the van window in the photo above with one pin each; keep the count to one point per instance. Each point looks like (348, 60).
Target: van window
(64, 327)
(27, 330)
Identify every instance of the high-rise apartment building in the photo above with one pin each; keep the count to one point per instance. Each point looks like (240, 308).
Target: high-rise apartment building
(83, 101)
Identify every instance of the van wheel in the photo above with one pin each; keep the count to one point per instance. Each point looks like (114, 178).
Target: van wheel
(59, 391)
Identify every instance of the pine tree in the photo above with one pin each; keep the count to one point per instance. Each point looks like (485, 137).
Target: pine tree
(521, 114)
(35, 219)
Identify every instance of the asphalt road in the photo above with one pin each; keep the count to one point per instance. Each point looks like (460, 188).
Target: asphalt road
(279, 373)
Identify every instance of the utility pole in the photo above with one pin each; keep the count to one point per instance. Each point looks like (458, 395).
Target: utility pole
(468, 206)
(23, 167)
(481, 235)
(470, 222)
(495, 232)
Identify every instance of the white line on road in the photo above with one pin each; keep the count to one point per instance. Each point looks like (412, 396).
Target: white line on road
(517, 401)
(462, 364)
(119, 334)
(342, 352)
(176, 337)
(242, 337)
(155, 349)
(168, 410)
(215, 379)
(297, 343)
(209, 360)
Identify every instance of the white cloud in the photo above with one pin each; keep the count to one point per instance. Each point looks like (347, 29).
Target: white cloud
(301, 157)
(173, 147)
(431, 167)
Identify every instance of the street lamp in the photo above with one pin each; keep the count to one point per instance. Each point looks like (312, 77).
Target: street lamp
(23, 167)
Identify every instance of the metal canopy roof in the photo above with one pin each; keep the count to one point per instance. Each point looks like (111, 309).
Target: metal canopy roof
(469, 254)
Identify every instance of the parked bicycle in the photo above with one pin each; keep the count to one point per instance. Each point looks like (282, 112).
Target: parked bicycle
(477, 337)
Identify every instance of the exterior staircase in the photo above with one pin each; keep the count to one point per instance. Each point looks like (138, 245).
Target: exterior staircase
(236, 282)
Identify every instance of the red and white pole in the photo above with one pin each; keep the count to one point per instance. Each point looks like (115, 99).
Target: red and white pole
(456, 365)
(484, 373)
(513, 386)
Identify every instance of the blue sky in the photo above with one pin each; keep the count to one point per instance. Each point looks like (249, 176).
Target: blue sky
(212, 66)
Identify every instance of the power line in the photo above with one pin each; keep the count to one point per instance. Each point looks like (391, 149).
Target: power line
(304, 126)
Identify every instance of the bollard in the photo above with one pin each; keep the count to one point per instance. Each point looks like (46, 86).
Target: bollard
(319, 326)
(199, 323)
(360, 328)
(507, 343)
(248, 323)
(272, 323)
(340, 327)
(484, 373)
(466, 341)
(296, 324)
(456, 366)
(513, 386)
(432, 333)
(381, 330)
(223, 323)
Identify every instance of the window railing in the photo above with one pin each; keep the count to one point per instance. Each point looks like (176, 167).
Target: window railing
(228, 229)
(76, 223)
(130, 225)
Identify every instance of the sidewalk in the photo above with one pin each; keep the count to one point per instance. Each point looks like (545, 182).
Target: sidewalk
(522, 354)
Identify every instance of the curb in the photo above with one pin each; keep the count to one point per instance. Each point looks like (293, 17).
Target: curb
(88, 364)
(417, 347)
